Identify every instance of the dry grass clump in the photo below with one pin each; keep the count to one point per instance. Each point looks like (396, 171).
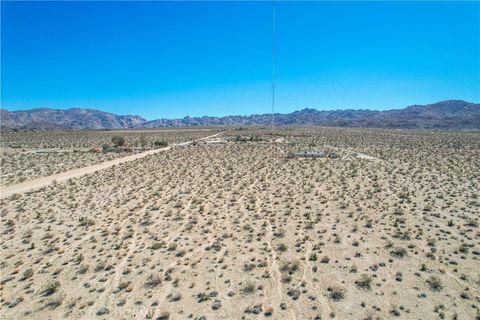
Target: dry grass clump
(153, 281)
(49, 288)
(364, 282)
(434, 283)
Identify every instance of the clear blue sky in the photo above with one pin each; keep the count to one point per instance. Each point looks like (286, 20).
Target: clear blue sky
(167, 59)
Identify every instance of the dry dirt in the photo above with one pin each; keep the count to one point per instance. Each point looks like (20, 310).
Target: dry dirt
(235, 230)
(25, 156)
(31, 185)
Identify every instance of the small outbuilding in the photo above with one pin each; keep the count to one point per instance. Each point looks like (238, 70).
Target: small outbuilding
(312, 154)
(306, 154)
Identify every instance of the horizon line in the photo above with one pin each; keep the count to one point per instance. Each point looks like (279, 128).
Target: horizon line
(328, 109)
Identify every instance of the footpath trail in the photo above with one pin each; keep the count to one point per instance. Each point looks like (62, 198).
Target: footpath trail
(63, 176)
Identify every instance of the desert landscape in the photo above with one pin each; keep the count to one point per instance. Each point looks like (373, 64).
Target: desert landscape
(229, 227)
(30, 155)
(240, 160)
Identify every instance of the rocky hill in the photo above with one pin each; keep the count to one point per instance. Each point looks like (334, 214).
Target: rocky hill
(71, 119)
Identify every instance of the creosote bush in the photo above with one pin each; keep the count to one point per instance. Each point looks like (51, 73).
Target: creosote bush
(118, 141)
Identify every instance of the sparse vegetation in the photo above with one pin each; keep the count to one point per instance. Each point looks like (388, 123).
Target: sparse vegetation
(228, 228)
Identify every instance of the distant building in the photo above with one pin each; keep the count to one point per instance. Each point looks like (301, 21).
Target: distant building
(307, 154)
(312, 154)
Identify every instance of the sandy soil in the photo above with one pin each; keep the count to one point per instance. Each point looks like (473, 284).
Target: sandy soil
(27, 156)
(63, 176)
(236, 230)
(18, 166)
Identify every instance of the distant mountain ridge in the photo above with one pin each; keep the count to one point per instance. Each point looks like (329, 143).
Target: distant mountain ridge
(450, 114)
(71, 119)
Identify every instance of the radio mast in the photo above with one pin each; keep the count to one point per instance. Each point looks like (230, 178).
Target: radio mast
(273, 65)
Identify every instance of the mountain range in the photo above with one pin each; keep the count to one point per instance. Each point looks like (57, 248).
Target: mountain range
(450, 114)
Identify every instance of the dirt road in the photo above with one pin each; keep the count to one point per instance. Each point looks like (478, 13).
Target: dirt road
(63, 176)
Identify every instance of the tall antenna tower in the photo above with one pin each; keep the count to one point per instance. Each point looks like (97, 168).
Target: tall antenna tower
(273, 65)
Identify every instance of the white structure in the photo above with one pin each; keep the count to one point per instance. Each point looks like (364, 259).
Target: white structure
(307, 154)
(312, 154)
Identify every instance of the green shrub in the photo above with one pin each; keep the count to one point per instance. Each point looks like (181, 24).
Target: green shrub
(118, 141)
(160, 143)
(107, 148)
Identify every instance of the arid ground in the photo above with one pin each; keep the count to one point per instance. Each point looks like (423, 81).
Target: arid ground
(230, 228)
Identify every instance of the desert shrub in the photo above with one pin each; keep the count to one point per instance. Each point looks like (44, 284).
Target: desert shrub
(280, 233)
(142, 141)
(118, 141)
(83, 269)
(463, 248)
(123, 285)
(107, 148)
(398, 252)
(268, 311)
(156, 246)
(202, 296)
(79, 258)
(164, 316)
(180, 253)
(27, 274)
(54, 302)
(472, 222)
(290, 267)
(100, 267)
(325, 259)
(336, 293)
(294, 294)
(15, 302)
(394, 311)
(174, 297)
(286, 278)
(248, 288)
(49, 288)
(102, 311)
(435, 283)
(465, 295)
(84, 221)
(153, 281)
(364, 282)
(248, 267)
(160, 143)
